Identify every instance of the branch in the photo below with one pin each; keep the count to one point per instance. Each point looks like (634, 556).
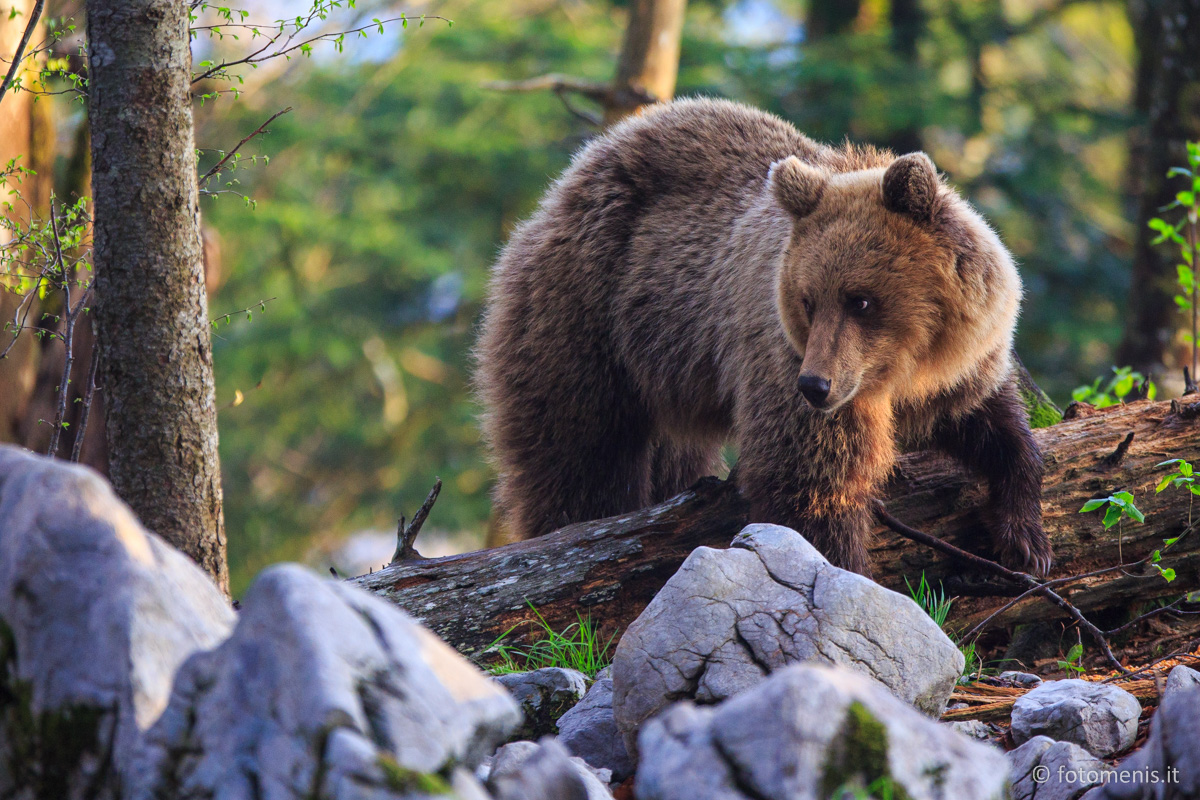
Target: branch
(15, 66)
(260, 129)
(602, 93)
(1022, 578)
(64, 386)
(86, 410)
(405, 537)
(257, 56)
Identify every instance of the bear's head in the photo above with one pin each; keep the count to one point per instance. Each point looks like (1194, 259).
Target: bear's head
(891, 286)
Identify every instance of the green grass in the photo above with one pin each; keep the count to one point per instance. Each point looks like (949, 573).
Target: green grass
(579, 646)
(937, 606)
(935, 602)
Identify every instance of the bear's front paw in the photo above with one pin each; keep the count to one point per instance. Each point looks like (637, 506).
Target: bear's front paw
(1022, 545)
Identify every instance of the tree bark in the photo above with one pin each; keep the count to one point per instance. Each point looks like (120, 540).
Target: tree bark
(1167, 98)
(611, 568)
(649, 60)
(151, 308)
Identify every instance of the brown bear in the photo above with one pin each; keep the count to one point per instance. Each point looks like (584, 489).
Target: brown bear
(704, 273)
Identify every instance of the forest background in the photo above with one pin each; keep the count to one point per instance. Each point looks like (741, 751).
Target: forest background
(399, 172)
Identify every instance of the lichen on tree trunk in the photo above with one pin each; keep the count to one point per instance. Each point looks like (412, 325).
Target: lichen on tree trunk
(151, 308)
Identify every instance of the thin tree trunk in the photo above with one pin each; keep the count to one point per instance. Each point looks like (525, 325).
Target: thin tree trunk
(151, 308)
(1168, 85)
(649, 61)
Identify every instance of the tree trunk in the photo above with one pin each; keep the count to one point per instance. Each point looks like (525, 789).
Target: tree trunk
(611, 568)
(649, 61)
(151, 308)
(1167, 98)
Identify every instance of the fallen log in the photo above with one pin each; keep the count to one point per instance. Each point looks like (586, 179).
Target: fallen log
(609, 569)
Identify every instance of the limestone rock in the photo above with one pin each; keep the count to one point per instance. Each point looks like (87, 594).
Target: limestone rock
(323, 690)
(96, 616)
(804, 733)
(589, 731)
(1098, 717)
(1043, 769)
(1167, 767)
(543, 771)
(544, 695)
(728, 618)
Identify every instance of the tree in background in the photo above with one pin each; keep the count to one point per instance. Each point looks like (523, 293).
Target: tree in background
(151, 308)
(647, 67)
(1167, 102)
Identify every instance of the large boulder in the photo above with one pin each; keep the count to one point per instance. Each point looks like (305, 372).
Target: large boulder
(96, 616)
(805, 733)
(545, 695)
(728, 618)
(1098, 717)
(323, 690)
(1043, 769)
(1167, 767)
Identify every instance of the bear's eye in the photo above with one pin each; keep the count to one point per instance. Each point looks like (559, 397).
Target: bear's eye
(860, 305)
(808, 306)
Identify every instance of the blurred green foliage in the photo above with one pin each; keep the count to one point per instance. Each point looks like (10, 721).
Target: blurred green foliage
(397, 177)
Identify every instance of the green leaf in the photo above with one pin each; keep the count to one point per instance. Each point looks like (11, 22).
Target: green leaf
(1092, 505)
(1112, 516)
(1155, 557)
(1164, 483)
(1169, 574)
(1075, 653)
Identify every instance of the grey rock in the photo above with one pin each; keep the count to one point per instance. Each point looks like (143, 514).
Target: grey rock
(96, 616)
(322, 689)
(1043, 769)
(728, 618)
(974, 729)
(1167, 767)
(589, 731)
(1027, 679)
(544, 695)
(543, 771)
(804, 732)
(1182, 679)
(1098, 717)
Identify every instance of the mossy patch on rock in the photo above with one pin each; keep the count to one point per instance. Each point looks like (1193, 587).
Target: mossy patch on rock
(858, 757)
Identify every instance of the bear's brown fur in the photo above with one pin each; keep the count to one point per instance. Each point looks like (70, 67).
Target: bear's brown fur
(705, 272)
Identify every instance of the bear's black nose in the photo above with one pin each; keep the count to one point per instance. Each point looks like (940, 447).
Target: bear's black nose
(815, 390)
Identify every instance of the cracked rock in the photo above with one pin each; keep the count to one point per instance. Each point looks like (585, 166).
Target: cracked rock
(96, 615)
(728, 618)
(544, 695)
(589, 731)
(323, 690)
(1167, 767)
(1098, 717)
(543, 771)
(806, 732)
(1043, 769)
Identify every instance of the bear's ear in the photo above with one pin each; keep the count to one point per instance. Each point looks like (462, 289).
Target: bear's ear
(910, 186)
(797, 186)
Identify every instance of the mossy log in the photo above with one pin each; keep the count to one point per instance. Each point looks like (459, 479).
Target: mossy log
(609, 569)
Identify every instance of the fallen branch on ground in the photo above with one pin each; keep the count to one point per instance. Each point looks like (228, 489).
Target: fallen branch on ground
(611, 568)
